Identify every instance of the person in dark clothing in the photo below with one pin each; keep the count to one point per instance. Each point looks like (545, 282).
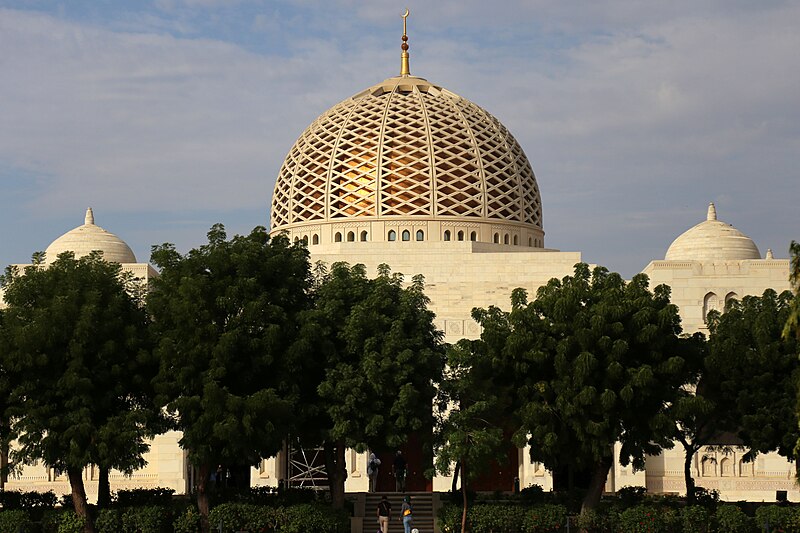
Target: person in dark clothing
(399, 468)
(384, 514)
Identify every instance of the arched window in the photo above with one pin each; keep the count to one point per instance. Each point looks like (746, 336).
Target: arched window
(305, 240)
(406, 235)
(729, 298)
(726, 467)
(420, 235)
(460, 235)
(351, 237)
(505, 238)
(707, 467)
(315, 239)
(392, 235)
(745, 469)
(337, 237)
(516, 240)
(710, 303)
(530, 241)
(364, 236)
(496, 238)
(296, 240)
(473, 236)
(447, 234)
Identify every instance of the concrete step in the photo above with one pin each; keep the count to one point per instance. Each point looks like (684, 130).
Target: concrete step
(421, 505)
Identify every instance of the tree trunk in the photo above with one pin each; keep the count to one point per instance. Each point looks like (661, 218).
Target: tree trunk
(463, 501)
(337, 471)
(75, 476)
(202, 496)
(456, 470)
(596, 484)
(103, 488)
(689, 452)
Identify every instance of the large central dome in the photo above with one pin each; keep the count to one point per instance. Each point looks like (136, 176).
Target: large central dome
(404, 158)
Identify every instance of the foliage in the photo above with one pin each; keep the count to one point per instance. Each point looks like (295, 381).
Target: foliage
(294, 519)
(147, 519)
(13, 520)
(187, 522)
(449, 518)
(695, 519)
(472, 405)
(731, 519)
(631, 495)
(778, 518)
(108, 521)
(648, 519)
(140, 497)
(792, 325)
(597, 361)
(545, 518)
(376, 356)
(706, 498)
(14, 499)
(80, 366)
(489, 518)
(227, 315)
(71, 522)
(756, 371)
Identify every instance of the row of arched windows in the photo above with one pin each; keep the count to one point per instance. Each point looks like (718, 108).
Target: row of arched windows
(460, 235)
(712, 302)
(405, 235)
(419, 235)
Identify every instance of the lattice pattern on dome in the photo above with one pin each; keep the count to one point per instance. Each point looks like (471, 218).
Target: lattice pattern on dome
(405, 161)
(406, 149)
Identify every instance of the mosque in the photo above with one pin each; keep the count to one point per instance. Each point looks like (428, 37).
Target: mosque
(410, 174)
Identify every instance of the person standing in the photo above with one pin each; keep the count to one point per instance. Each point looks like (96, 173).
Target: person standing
(372, 471)
(384, 514)
(407, 515)
(399, 469)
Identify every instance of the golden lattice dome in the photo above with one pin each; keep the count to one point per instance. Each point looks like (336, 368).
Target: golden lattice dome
(407, 157)
(88, 238)
(712, 240)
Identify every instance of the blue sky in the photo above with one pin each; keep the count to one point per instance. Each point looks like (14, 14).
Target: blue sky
(170, 115)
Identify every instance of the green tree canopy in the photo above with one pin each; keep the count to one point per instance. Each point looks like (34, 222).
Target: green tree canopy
(226, 316)
(79, 367)
(378, 358)
(598, 362)
(755, 370)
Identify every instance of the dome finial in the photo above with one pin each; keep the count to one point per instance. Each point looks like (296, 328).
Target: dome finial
(712, 212)
(89, 216)
(769, 254)
(404, 68)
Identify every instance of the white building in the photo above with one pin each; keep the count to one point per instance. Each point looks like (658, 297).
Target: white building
(410, 174)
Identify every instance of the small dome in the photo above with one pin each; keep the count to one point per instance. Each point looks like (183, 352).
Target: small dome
(712, 240)
(87, 238)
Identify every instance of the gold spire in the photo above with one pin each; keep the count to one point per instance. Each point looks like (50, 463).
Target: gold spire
(404, 70)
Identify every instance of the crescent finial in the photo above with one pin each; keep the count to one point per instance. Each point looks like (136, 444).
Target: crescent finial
(404, 69)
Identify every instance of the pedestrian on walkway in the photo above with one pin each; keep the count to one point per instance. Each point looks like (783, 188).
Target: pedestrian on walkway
(372, 471)
(407, 515)
(399, 469)
(384, 514)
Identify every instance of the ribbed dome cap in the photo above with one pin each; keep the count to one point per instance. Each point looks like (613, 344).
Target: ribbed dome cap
(87, 238)
(406, 149)
(712, 240)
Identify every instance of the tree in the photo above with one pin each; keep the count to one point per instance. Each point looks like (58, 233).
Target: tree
(77, 360)
(377, 356)
(473, 405)
(226, 318)
(756, 370)
(793, 321)
(699, 410)
(597, 363)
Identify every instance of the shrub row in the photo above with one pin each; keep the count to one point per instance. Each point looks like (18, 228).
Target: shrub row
(643, 518)
(164, 519)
